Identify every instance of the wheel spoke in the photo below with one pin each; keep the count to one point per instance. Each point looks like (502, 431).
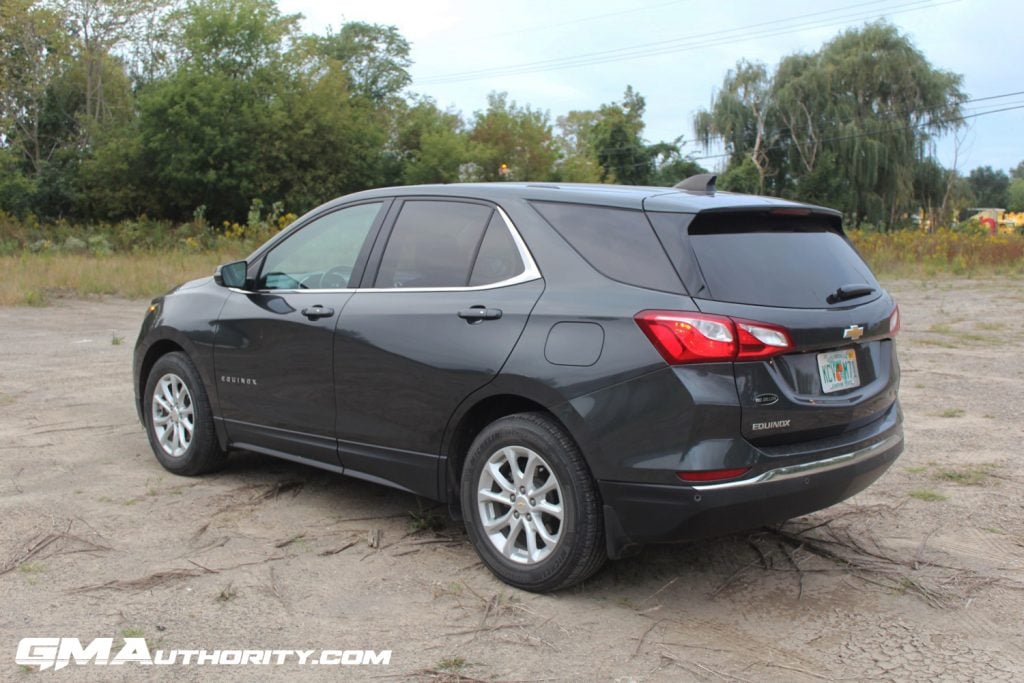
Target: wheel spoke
(549, 540)
(514, 529)
(531, 541)
(497, 523)
(166, 437)
(550, 484)
(494, 469)
(549, 509)
(530, 471)
(495, 497)
(165, 389)
(512, 458)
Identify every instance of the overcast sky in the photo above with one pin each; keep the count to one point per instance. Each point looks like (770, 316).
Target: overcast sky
(676, 52)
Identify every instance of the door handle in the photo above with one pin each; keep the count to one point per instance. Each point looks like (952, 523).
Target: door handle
(478, 314)
(317, 312)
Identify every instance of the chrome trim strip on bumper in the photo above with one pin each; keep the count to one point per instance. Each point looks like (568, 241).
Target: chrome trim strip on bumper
(806, 468)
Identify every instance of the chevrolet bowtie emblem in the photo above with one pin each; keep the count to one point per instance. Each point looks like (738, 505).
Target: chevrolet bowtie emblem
(853, 332)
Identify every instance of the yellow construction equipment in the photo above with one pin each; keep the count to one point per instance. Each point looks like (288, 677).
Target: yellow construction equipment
(998, 221)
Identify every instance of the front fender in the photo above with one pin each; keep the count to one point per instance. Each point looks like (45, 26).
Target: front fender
(186, 319)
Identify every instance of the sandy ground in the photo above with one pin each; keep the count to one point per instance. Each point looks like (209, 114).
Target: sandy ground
(920, 577)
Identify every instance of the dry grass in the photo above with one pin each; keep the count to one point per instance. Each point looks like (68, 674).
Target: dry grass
(912, 253)
(37, 279)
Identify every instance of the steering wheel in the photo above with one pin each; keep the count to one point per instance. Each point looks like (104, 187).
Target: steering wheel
(336, 277)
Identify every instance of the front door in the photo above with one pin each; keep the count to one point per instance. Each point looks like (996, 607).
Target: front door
(274, 347)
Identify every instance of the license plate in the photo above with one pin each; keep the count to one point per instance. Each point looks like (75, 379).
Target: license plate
(838, 370)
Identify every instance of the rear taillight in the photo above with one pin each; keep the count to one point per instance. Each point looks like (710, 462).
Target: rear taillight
(894, 321)
(758, 340)
(702, 338)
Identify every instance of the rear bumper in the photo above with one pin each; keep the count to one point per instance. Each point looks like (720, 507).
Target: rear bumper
(638, 513)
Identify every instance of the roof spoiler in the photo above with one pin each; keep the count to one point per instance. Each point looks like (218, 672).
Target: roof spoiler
(702, 182)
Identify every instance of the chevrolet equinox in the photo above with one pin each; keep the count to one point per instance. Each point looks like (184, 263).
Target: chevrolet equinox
(576, 370)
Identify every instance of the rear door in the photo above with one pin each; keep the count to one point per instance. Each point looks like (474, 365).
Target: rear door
(794, 269)
(450, 289)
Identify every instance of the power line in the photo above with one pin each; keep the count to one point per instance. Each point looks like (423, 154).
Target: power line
(615, 51)
(544, 27)
(766, 29)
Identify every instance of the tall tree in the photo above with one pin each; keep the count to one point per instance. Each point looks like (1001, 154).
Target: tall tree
(430, 144)
(617, 137)
(33, 57)
(507, 136)
(1015, 195)
(99, 27)
(846, 125)
(577, 161)
(202, 126)
(989, 186)
(376, 58)
(741, 116)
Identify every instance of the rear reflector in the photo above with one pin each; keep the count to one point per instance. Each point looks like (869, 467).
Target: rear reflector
(682, 337)
(894, 321)
(712, 475)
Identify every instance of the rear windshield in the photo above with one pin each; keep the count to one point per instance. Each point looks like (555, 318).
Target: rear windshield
(789, 262)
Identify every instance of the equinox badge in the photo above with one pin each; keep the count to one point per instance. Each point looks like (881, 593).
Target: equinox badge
(853, 332)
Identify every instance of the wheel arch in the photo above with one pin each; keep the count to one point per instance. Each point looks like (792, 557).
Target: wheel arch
(173, 343)
(476, 413)
(155, 352)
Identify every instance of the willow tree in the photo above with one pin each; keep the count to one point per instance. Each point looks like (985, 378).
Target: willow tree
(847, 125)
(877, 105)
(742, 118)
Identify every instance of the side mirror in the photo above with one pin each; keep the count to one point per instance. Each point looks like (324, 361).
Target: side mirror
(231, 274)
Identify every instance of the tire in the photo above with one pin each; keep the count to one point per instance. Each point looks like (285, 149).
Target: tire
(179, 422)
(501, 514)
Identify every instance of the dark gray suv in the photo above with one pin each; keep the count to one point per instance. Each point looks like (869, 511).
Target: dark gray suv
(576, 370)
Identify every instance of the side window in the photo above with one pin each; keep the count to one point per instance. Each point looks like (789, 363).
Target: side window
(618, 243)
(498, 258)
(322, 254)
(433, 244)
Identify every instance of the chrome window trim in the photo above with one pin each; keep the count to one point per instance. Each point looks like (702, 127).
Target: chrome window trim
(808, 468)
(530, 272)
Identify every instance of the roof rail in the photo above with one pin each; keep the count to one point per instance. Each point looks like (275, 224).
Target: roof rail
(702, 182)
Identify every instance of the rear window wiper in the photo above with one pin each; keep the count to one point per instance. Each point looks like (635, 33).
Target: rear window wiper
(847, 292)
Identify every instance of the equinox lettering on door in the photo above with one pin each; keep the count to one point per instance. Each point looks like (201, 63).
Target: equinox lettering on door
(774, 424)
(238, 380)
